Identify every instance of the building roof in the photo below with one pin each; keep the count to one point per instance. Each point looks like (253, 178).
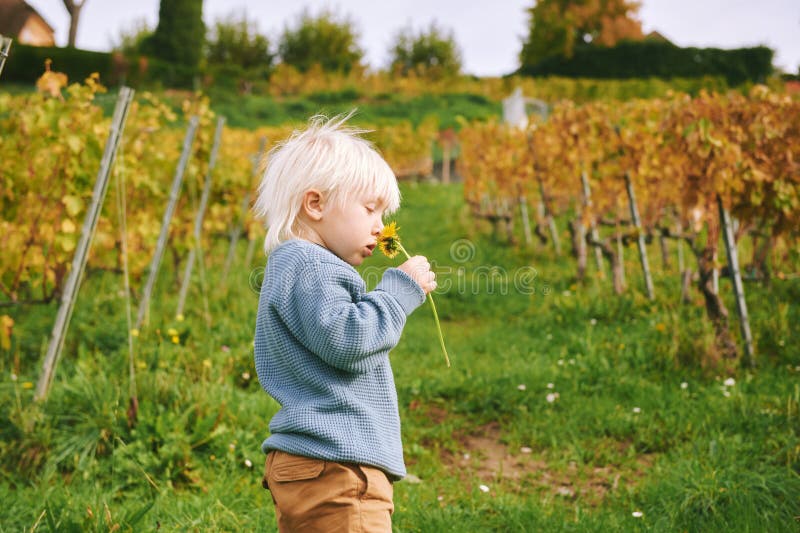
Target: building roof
(652, 36)
(14, 14)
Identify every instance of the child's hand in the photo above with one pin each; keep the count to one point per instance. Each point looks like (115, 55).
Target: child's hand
(420, 271)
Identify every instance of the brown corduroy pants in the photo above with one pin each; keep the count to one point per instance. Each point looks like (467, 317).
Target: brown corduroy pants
(312, 495)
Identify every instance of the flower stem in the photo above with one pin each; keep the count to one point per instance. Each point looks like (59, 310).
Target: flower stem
(435, 314)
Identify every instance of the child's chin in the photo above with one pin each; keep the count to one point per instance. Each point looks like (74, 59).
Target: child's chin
(355, 260)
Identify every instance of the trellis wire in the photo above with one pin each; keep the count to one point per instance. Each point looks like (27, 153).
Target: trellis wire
(123, 230)
(73, 282)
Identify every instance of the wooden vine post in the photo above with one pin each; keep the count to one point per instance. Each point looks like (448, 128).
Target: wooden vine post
(73, 282)
(155, 263)
(637, 223)
(544, 213)
(587, 202)
(198, 220)
(738, 286)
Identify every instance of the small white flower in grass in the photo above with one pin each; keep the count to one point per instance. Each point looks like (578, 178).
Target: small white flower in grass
(727, 394)
(225, 348)
(684, 385)
(245, 375)
(231, 446)
(521, 386)
(248, 463)
(730, 382)
(560, 362)
(566, 293)
(526, 449)
(550, 386)
(483, 488)
(637, 410)
(440, 498)
(466, 456)
(593, 321)
(14, 377)
(551, 397)
(637, 514)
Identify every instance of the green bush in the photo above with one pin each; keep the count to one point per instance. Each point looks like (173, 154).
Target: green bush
(26, 63)
(657, 59)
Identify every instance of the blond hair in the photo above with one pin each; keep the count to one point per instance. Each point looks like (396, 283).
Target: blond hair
(329, 157)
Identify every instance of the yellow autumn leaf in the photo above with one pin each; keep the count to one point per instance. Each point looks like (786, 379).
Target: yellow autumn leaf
(6, 327)
(73, 204)
(67, 226)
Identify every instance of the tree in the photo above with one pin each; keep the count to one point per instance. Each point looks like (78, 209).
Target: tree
(180, 34)
(131, 39)
(235, 40)
(322, 39)
(74, 10)
(556, 27)
(433, 52)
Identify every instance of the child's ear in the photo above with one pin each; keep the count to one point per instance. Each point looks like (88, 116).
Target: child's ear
(312, 204)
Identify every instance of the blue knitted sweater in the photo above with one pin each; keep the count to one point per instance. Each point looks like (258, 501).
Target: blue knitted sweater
(322, 351)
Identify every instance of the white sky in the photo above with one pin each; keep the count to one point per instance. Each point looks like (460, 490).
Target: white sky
(489, 33)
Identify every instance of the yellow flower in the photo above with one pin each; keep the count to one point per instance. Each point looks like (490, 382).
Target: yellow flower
(389, 241)
(179, 317)
(27, 385)
(172, 332)
(134, 332)
(176, 339)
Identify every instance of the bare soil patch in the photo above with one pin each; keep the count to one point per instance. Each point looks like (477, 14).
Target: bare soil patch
(483, 458)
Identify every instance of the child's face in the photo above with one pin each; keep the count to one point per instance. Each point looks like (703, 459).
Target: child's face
(351, 230)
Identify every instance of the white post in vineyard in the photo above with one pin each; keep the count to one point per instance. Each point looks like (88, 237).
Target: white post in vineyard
(73, 282)
(637, 223)
(198, 220)
(5, 46)
(526, 222)
(736, 278)
(155, 263)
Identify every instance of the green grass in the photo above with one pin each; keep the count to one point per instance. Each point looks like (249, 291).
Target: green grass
(622, 436)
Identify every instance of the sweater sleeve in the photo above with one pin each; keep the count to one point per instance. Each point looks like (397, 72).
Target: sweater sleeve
(354, 334)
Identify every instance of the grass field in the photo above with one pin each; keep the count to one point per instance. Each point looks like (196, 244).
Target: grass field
(566, 408)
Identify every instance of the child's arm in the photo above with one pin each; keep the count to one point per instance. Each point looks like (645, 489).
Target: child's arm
(354, 336)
